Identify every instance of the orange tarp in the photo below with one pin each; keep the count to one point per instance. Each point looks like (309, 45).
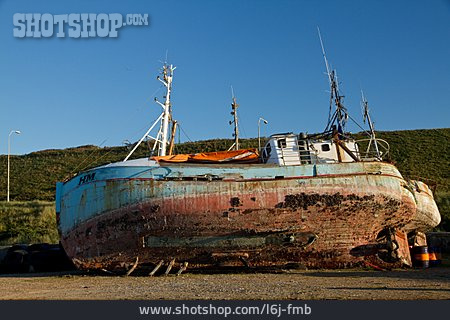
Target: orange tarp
(244, 155)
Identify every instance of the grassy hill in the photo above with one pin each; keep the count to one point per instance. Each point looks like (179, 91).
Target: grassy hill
(417, 153)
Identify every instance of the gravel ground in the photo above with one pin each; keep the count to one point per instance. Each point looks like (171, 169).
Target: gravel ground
(431, 283)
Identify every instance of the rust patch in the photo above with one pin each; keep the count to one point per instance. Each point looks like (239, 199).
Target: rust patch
(235, 202)
(304, 200)
(155, 208)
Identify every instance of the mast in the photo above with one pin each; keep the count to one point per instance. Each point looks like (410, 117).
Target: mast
(166, 80)
(234, 107)
(365, 105)
(172, 136)
(162, 137)
(340, 115)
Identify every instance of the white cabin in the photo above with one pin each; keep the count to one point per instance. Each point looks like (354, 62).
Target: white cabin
(288, 149)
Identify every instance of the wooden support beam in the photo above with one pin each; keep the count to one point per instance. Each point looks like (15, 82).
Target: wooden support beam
(183, 268)
(133, 267)
(349, 152)
(169, 267)
(151, 274)
(172, 137)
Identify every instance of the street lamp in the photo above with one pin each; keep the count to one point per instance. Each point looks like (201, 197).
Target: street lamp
(259, 131)
(9, 152)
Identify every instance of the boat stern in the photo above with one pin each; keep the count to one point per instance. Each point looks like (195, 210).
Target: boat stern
(427, 213)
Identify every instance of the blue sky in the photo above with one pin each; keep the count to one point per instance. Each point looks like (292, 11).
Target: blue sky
(65, 92)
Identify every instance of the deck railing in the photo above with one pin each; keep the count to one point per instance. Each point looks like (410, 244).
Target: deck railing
(370, 152)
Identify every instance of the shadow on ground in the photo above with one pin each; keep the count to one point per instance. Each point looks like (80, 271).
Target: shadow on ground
(437, 273)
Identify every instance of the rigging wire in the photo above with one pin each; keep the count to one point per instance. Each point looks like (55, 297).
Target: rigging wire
(181, 128)
(97, 159)
(140, 108)
(128, 119)
(240, 127)
(354, 121)
(86, 158)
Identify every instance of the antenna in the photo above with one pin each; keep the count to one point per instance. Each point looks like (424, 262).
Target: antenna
(365, 106)
(323, 53)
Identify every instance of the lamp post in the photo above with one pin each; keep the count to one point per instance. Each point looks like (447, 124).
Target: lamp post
(9, 152)
(259, 131)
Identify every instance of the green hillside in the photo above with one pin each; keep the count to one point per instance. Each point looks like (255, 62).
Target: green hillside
(417, 154)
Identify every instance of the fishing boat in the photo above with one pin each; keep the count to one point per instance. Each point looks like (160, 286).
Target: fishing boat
(321, 201)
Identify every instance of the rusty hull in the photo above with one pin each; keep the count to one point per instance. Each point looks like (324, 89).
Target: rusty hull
(315, 221)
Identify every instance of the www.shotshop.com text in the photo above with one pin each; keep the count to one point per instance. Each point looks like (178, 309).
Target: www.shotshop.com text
(276, 309)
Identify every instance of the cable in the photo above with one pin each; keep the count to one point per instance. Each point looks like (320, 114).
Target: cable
(140, 108)
(87, 157)
(181, 128)
(98, 158)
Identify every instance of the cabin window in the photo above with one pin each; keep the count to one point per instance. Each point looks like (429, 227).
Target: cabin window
(325, 147)
(268, 149)
(302, 145)
(281, 143)
(266, 152)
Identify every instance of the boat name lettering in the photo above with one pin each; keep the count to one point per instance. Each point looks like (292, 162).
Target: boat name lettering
(86, 178)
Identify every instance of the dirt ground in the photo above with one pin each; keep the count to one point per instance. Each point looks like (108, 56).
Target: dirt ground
(433, 283)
